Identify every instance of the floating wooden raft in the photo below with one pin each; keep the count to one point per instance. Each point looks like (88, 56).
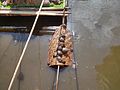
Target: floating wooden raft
(60, 48)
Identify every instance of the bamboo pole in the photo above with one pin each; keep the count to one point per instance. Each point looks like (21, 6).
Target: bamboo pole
(57, 77)
(24, 49)
(63, 19)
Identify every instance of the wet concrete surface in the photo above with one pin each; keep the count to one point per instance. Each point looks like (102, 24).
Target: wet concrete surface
(96, 28)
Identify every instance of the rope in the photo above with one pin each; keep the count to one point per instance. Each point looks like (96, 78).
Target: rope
(25, 47)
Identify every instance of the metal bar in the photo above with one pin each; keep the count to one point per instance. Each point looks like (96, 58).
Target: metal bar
(23, 28)
(32, 13)
(12, 27)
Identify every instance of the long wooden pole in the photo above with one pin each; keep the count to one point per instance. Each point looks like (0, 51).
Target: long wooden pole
(57, 77)
(24, 49)
(58, 69)
(63, 19)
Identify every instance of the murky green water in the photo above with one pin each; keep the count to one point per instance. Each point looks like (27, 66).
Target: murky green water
(108, 73)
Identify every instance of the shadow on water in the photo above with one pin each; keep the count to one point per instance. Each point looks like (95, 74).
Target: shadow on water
(108, 73)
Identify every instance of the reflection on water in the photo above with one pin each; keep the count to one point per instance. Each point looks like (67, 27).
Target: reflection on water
(108, 73)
